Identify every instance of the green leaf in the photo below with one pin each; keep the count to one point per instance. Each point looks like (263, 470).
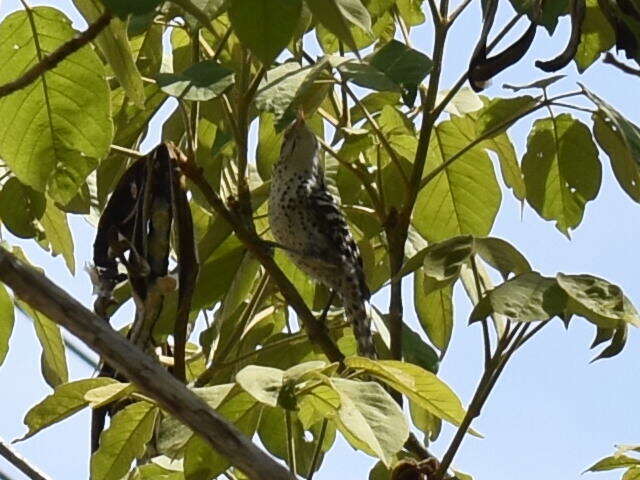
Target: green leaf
(434, 310)
(337, 15)
(404, 66)
(411, 12)
(262, 383)
(124, 441)
(21, 208)
(106, 394)
(53, 359)
(56, 228)
(596, 36)
(501, 255)
(632, 474)
(623, 162)
(415, 350)
(529, 297)
(65, 400)
(201, 462)
(628, 131)
(545, 14)
(465, 197)
(502, 146)
(123, 8)
(54, 131)
(199, 82)
(500, 113)
(114, 44)
(419, 385)
(561, 169)
(288, 87)
(598, 300)
(442, 261)
(263, 27)
(369, 415)
(269, 142)
(273, 436)
(613, 462)
(7, 319)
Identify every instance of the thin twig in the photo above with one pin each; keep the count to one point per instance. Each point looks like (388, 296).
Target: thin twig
(436, 171)
(485, 327)
(611, 60)
(54, 58)
(127, 151)
(456, 13)
(379, 133)
(318, 449)
(21, 463)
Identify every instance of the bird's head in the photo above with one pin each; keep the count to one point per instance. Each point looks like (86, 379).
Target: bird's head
(300, 144)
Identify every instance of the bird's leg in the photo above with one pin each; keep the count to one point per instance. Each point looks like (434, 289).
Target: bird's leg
(325, 312)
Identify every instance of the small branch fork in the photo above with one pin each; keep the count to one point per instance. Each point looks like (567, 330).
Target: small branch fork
(50, 61)
(21, 463)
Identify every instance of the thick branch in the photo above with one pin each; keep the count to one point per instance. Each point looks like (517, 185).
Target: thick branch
(18, 461)
(40, 293)
(54, 58)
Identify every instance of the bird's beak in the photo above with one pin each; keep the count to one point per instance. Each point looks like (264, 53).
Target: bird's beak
(300, 121)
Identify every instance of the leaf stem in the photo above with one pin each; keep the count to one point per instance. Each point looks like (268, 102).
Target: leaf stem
(291, 447)
(318, 450)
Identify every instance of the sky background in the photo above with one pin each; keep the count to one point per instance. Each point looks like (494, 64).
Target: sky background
(552, 413)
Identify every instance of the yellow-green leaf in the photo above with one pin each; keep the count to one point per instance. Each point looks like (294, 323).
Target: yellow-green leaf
(7, 319)
(421, 386)
(124, 441)
(66, 400)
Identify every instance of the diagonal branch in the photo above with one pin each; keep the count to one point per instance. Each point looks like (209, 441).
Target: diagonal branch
(54, 58)
(316, 330)
(21, 463)
(40, 293)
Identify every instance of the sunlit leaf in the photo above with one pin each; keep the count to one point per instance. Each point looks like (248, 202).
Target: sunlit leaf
(114, 45)
(421, 386)
(435, 311)
(561, 169)
(130, 430)
(529, 297)
(338, 15)
(596, 37)
(613, 462)
(66, 400)
(262, 383)
(7, 319)
(53, 359)
(261, 27)
(369, 414)
(598, 300)
(54, 131)
(200, 82)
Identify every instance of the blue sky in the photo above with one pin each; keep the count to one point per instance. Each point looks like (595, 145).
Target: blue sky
(552, 413)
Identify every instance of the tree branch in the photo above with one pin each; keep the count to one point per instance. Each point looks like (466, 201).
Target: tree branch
(22, 464)
(611, 60)
(316, 330)
(40, 293)
(54, 58)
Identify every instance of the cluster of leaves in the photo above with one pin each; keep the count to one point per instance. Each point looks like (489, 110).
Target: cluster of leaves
(65, 140)
(625, 457)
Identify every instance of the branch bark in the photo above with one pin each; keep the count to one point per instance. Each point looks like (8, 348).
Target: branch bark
(54, 58)
(40, 293)
(22, 464)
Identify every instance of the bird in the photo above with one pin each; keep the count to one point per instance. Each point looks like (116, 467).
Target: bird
(306, 221)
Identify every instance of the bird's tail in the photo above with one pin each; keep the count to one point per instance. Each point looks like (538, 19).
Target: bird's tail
(358, 315)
